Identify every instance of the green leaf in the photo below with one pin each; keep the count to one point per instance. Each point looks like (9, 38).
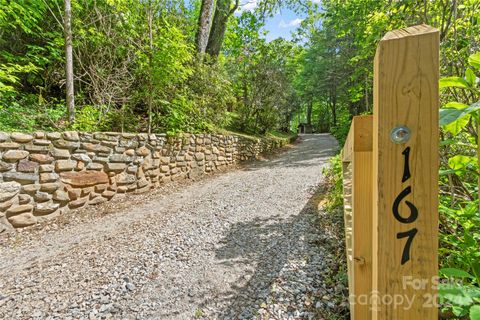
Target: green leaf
(447, 142)
(470, 77)
(446, 172)
(456, 105)
(474, 60)
(453, 82)
(457, 295)
(456, 126)
(459, 311)
(455, 273)
(476, 270)
(475, 313)
(448, 115)
(459, 162)
(469, 240)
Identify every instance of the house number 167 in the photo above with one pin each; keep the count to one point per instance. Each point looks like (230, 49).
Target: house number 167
(412, 217)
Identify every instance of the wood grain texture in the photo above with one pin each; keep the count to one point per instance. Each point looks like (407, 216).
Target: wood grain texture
(362, 200)
(359, 137)
(406, 72)
(358, 186)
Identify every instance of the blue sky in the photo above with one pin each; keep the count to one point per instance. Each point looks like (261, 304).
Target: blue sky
(280, 25)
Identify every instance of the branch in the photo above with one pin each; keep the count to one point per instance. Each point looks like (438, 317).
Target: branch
(53, 14)
(235, 7)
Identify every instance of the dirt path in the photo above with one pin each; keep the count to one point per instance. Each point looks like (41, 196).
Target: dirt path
(240, 246)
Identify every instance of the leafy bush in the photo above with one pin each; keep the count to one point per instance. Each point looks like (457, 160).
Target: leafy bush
(334, 181)
(459, 184)
(88, 118)
(28, 114)
(340, 131)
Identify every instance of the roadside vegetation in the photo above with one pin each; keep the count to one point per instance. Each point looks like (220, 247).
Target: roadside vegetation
(354, 27)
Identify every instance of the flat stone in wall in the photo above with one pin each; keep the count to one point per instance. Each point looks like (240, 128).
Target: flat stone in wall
(42, 175)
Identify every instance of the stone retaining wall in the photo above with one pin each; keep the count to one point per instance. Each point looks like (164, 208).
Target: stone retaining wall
(42, 175)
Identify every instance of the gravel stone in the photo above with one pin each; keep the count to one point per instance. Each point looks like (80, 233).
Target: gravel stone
(245, 244)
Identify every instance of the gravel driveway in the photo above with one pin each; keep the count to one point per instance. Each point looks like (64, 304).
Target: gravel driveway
(242, 245)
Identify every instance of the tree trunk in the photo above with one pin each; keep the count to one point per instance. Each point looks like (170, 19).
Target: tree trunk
(334, 100)
(204, 24)
(367, 98)
(333, 104)
(334, 109)
(223, 11)
(69, 61)
(150, 66)
(309, 113)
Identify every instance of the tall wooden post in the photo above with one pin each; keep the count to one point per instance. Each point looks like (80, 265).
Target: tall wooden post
(405, 175)
(358, 186)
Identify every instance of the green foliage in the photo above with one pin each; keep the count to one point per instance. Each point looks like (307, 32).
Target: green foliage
(178, 115)
(136, 68)
(451, 82)
(340, 131)
(8, 75)
(290, 136)
(87, 119)
(211, 90)
(463, 300)
(118, 68)
(98, 118)
(28, 44)
(28, 114)
(459, 209)
(334, 182)
(460, 234)
(262, 76)
(474, 60)
(459, 294)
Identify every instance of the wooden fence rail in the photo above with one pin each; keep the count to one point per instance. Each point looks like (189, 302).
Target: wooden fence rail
(390, 175)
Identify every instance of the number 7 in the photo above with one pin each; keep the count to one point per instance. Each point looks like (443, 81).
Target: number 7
(406, 250)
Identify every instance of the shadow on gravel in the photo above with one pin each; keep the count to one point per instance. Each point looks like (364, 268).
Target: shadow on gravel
(270, 245)
(301, 157)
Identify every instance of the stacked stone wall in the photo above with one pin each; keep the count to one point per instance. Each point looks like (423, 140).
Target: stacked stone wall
(42, 175)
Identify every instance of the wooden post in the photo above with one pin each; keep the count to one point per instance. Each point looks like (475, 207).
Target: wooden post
(358, 186)
(405, 175)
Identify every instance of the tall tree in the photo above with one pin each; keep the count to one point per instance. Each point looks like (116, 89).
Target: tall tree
(150, 65)
(224, 9)
(204, 24)
(69, 61)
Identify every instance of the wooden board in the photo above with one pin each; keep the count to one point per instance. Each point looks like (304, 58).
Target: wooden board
(359, 137)
(405, 212)
(362, 226)
(358, 186)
